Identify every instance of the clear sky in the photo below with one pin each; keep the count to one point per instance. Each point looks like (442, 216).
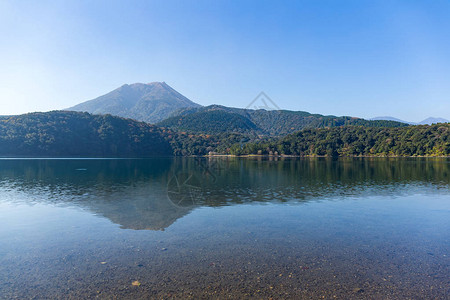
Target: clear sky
(358, 58)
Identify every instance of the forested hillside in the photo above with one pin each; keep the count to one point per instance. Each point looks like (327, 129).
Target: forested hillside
(211, 122)
(75, 134)
(218, 119)
(422, 140)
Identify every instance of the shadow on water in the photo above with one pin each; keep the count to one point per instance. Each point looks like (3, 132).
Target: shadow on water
(153, 193)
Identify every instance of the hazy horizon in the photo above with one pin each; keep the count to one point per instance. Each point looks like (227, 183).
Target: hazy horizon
(356, 58)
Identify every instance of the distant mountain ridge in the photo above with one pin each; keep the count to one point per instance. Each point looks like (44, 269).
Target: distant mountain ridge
(427, 121)
(389, 118)
(432, 120)
(151, 103)
(158, 103)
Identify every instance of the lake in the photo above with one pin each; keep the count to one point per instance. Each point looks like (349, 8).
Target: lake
(371, 228)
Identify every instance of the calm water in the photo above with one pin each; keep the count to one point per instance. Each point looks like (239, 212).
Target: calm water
(225, 228)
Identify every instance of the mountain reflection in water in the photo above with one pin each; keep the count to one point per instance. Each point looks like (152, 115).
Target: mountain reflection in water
(152, 194)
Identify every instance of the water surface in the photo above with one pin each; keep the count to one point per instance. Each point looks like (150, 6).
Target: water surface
(225, 228)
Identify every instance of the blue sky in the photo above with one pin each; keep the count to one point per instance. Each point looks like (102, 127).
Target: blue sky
(358, 58)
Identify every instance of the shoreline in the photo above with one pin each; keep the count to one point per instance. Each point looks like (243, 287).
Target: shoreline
(323, 156)
(225, 155)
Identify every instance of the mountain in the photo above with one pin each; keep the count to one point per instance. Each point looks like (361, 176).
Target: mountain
(76, 134)
(388, 118)
(432, 120)
(151, 103)
(217, 119)
(428, 121)
(160, 104)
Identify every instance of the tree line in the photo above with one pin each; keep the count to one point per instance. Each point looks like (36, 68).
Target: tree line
(420, 140)
(75, 134)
